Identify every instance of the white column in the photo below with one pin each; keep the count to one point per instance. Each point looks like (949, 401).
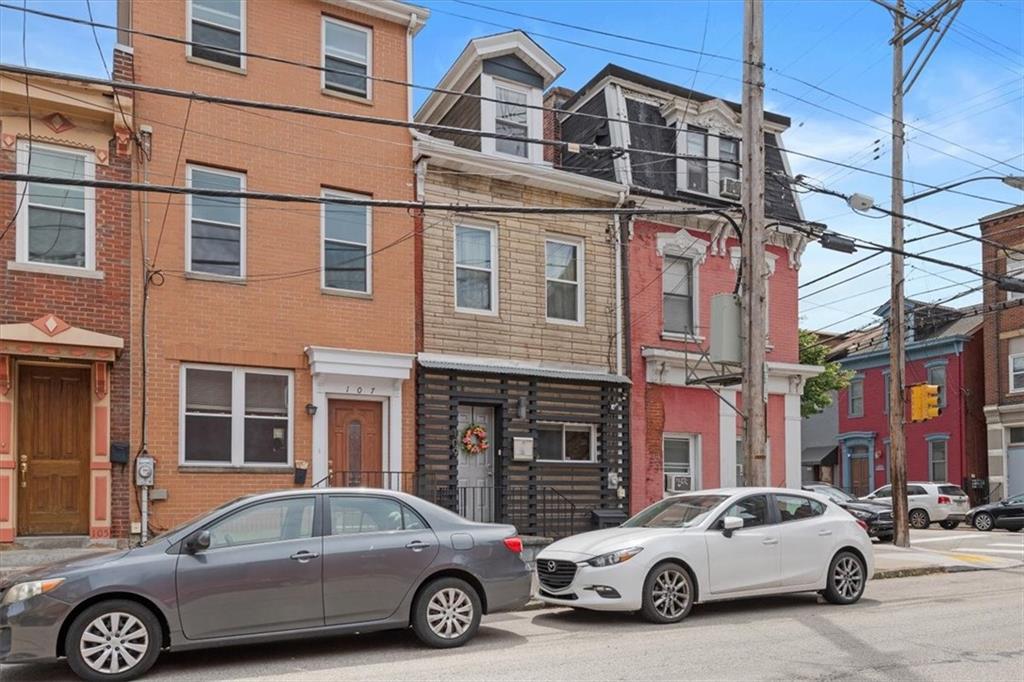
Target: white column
(727, 439)
(793, 455)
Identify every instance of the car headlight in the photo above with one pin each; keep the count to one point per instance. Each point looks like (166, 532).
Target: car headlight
(27, 590)
(612, 558)
(863, 515)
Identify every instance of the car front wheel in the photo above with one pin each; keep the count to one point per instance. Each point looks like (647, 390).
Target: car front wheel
(919, 519)
(847, 577)
(446, 613)
(983, 521)
(668, 594)
(112, 641)
(949, 525)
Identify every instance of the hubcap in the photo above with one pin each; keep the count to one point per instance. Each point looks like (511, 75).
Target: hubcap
(450, 613)
(918, 520)
(983, 522)
(671, 593)
(114, 642)
(848, 577)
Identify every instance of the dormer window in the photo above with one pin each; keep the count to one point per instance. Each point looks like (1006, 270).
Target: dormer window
(728, 150)
(713, 147)
(511, 119)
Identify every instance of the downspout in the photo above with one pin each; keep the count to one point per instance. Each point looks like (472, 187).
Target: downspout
(146, 134)
(619, 298)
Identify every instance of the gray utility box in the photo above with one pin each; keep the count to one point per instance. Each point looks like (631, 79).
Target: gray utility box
(607, 518)
(725, 328)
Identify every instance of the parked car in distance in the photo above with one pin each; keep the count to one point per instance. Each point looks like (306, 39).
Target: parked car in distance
(297, 563)
(927, 503)
(876, 515)
(1008, 514)
(707, 546)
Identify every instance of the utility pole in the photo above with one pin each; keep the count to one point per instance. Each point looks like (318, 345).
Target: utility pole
(753, 246)
(929, 23)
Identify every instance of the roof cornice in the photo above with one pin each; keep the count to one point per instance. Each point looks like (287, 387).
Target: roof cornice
(413, 16)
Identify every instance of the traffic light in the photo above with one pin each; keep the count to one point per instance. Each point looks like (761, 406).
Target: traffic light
(924, 402)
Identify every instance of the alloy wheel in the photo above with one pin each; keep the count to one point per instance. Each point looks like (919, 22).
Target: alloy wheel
(114, 643)
(450, 613)
(848, 577)
(671, 593)
(983, 522)
(918, 519)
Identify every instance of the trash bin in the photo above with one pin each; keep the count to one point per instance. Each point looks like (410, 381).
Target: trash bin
(607, 518)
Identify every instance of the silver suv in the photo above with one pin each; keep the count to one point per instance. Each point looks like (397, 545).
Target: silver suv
(942, 503)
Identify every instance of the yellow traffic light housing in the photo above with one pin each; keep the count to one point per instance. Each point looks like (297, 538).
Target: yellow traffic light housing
(924, 402)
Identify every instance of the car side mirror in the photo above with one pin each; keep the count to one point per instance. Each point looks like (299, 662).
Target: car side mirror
(871, 496)
(198, 541)
(731, 523)
(1004, 502)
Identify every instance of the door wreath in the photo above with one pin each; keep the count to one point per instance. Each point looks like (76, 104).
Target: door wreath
(474, 439)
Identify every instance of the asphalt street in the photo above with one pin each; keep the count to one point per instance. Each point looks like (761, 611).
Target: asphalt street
(958, 626)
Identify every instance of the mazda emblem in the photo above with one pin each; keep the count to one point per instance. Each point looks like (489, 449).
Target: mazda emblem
(552, 566)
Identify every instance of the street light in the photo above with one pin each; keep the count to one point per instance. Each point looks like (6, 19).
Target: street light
(1015, 181)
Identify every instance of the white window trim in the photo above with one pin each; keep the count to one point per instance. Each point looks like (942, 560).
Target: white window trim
(1014, 267)
(488, 114)
(944, 386)
(859, 380)
(695, 455)
(682, 148)
(945, 461)
(323, 244)
(1009, 366)
(581, 298)
(21, 221)
(242, 39)
(682, 244)
(573, 426)
(493, 229)
(237, 416)
(188, 225)
(368, 32)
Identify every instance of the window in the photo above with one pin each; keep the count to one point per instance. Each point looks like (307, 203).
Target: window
(937, 376)
(235, 417)
(795, 507)
(916, 490)
(729, 150)
(679, 461)
(937, 460)
(350, 515)
(885, 392)
(475, 281)
(1016, 435)
(753, 510)
(856, 406)
(677, 295)
(884, 491)
(218, 28)
(566, 443)
(510, 118)
(56, 225)
(346, 247)
(273, 521)
(1014, 268)
(347, 57)
(697, 169)
(1016, 373)
(215, 225)
(676, 512)
(562, 274)
(954, 490)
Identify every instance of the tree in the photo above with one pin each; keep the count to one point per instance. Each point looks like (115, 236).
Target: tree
(818, 390)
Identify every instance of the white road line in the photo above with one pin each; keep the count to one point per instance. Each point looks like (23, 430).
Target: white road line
(988, 550)
(1018, 545)
(948, 538)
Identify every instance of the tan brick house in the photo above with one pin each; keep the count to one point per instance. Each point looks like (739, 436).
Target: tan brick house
(1004, 355)
(64, 311)
(279, 337)
(519, 311)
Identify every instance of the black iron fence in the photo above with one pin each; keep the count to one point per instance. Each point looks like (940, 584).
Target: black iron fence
(533, 510)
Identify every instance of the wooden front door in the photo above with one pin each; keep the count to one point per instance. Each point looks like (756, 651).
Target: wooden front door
(354, 443)
(860, 470)
(54, 429)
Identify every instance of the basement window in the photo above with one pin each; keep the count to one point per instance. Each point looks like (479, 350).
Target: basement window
(217, 30)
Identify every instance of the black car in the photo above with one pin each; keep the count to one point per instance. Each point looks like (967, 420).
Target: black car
(1008, 514)
(876, 515)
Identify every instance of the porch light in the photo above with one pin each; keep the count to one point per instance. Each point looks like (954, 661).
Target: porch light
(310, 409)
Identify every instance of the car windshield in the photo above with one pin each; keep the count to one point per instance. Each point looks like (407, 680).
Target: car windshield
(676, 512)
(835, 494)
(168, 533)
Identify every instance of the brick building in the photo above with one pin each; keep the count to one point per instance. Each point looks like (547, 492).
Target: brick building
(65, 282)
(1004, 357)
(280, 337)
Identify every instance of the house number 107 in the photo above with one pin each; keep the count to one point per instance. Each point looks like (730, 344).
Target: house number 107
(360, 390)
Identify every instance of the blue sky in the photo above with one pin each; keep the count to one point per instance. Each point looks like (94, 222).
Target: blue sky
(971, 95)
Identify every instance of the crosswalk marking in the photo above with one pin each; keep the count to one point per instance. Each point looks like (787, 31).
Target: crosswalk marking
(990, 550)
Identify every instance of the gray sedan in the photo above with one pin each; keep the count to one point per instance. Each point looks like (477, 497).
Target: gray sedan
(275, 566)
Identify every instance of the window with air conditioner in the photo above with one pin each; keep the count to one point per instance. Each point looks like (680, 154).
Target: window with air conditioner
(679, 463)
(728, 168)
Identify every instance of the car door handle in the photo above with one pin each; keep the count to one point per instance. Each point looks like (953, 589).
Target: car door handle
(417, 546)
(770, 541)
(303, 556)
(824, 532)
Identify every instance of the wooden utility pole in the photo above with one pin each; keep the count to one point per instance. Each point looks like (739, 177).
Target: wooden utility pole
(897, 355)
(753, 242)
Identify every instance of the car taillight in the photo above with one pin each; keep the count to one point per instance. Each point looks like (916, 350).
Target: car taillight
(863, 524)
(514, 544)
(944, 500)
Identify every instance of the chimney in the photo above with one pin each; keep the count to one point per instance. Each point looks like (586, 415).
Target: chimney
(554, 99)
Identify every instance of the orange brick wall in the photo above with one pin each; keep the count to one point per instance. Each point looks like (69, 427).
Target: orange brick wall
(269, 319)
(1008, 230)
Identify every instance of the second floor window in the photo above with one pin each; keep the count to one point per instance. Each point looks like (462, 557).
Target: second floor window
(697, 169)
(728, 150)
(856, 406)
(347, 53)
(1014, 268)
(511, 119)
(677, 295)
(562, 274)
(474, 269)
(215, 242)
(1016, 373)
(937, 376)
(346, 254)
(217, 27)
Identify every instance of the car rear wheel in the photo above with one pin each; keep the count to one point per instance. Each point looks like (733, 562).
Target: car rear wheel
(446, 613)
(919, 519)
(983, 521)
(949, 525)
(112, 641)
(668, 594)
(847, 576)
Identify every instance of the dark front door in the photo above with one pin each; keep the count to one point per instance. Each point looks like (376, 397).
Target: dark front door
(54, 429)
(860, 470)
(354, 446)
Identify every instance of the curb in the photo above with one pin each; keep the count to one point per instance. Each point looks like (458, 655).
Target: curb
(930, 570)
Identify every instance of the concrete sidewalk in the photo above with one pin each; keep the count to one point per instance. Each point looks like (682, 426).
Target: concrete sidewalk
(897, 562)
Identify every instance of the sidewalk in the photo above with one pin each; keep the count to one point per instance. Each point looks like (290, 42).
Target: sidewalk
(897, 562)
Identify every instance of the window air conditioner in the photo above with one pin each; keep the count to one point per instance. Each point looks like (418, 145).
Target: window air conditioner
(678, 483)
(729, 187)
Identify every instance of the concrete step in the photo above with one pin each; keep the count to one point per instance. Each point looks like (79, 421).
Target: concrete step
(52, 542)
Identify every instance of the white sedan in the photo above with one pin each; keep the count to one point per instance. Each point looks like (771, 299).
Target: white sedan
(707, 546)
